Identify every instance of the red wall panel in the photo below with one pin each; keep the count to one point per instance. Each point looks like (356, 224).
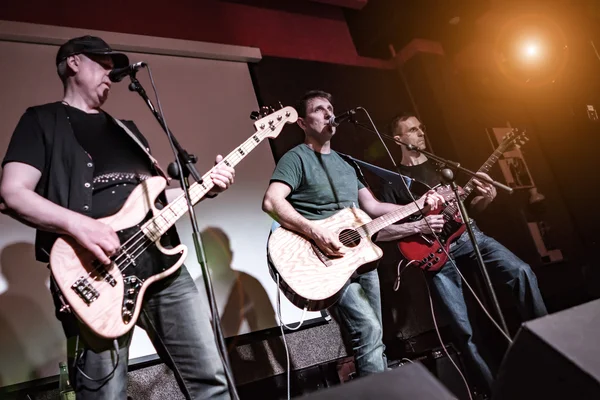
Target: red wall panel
(318, 33)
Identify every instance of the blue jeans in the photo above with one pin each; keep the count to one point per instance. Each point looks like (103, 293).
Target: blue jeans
(177, 321)
(358, 311)
(506, 271)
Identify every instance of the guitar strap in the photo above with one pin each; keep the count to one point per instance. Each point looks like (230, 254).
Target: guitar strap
(54, 289)
(380, 172)
(144, 148)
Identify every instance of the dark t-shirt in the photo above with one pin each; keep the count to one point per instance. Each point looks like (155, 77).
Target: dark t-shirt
(322, 184)
(119, 163)
(424, 175)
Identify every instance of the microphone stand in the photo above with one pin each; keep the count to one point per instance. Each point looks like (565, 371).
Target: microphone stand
(182, 167)
(448, 175)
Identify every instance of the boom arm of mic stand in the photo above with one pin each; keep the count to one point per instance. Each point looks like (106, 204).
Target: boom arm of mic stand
(184, 157)
(448, 163)
(456, 166)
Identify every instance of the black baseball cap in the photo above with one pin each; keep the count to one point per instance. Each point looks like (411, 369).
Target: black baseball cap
(90, 45)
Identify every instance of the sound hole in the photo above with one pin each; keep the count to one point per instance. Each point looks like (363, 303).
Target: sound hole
(349, 238)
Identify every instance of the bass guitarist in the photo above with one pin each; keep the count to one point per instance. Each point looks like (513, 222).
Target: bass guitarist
(506, 270)
(70, 163)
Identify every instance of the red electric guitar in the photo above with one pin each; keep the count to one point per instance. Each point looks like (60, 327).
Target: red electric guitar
(424, 250)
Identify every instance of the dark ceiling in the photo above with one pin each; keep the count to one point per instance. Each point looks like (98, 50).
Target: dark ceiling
(384, 22)
(480, 36)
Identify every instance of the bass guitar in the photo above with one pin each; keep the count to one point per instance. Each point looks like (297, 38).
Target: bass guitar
(107, 298)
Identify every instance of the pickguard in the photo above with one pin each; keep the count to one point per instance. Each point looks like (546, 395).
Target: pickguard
(138, 260)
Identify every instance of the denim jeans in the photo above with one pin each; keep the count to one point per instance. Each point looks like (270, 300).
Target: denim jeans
(177, 321)
(506, 271)
(358, 312)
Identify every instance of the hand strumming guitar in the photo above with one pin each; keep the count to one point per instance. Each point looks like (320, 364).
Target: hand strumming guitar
(433, 200)
(327, 241)
(431, 222)
(97, 237)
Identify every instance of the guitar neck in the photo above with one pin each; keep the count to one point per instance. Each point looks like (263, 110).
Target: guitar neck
(470, 186)
(385, 220)
(161, 223)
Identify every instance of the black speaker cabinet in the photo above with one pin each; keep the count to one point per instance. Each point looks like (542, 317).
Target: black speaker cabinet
(554, 357)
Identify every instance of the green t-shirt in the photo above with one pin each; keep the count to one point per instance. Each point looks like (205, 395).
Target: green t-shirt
(321, 184)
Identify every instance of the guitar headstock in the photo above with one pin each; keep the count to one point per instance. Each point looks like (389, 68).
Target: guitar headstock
(270, 121)
(516, 137)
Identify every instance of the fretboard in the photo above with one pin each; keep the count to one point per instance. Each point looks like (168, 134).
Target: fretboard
(470, 186)
(374, 226)
(158, 225)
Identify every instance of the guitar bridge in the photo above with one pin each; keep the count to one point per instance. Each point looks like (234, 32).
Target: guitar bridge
(322, 257)
(85, 290)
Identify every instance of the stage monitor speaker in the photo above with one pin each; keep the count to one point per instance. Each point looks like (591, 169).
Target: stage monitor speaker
(408, 382)
(554, 357)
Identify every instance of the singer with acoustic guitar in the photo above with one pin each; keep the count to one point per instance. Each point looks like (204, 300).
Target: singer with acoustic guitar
(311, 184)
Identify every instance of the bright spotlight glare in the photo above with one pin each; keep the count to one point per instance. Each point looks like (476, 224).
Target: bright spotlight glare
(531, 50)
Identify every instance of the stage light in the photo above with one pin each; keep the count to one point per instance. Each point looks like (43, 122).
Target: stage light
(531, 50)
(531, 53)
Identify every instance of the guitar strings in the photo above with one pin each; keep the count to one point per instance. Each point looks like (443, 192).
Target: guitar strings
(145, 245)
(168, 206)
(140, 235)
(353, 235)
(448, 214)
(346, 238)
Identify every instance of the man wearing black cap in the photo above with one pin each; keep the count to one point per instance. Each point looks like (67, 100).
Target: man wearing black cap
(70, 163)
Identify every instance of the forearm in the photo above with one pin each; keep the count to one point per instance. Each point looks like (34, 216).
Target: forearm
(376, 209)
(479, 204)
(33, 210)
(284, 213)
(397, 232)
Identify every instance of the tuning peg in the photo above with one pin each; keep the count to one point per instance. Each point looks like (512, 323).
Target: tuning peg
(254, 115)
(265, 110)
(280, 105)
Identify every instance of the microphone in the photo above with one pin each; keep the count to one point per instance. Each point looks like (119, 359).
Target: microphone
(343, 117)
(117, 74)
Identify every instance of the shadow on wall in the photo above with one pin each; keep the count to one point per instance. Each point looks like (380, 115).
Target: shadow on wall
(243, 302)
(31, 338)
